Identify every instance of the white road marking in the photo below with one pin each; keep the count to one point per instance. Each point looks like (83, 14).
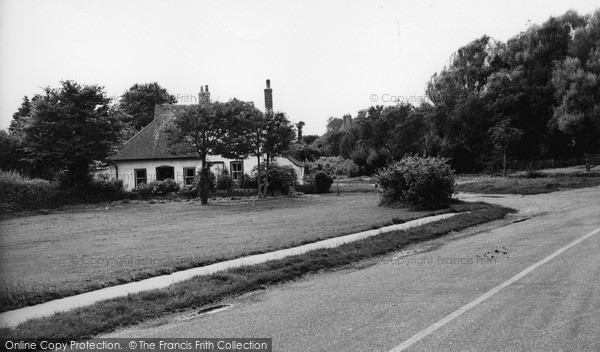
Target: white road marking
(433, 327)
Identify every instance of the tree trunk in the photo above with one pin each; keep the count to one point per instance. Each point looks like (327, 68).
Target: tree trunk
(258, 176)
(204, 182)
(266, 185)
(504, 163)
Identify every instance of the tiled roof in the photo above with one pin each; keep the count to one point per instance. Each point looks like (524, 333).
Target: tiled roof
(151, 142)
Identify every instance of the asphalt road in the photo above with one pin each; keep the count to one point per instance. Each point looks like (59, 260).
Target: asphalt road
(476, 301)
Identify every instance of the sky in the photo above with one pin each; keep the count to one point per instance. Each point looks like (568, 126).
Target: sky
(324, 58)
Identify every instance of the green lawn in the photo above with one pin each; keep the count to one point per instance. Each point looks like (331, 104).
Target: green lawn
(105, 316)
(66, 252)
(525, 186)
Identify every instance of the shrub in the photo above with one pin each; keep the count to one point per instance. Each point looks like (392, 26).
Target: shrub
(143, 190)
(160, 188)
(224, 182)
(188, 191)
(334, 166)
(249, 182)
(281, 178)
(418, 182)
(322, 182)
(306, 188)
(19, 193)
(103, 189)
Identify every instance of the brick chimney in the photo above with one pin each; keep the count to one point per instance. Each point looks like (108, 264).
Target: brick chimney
(268, 98)
(204, 95)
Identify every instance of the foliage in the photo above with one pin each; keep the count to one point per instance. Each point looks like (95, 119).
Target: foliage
(68, 128)
(188, 191)
(224, 182)
(138, 103)
(102, 189)
(418, 182)
(143, 190)
(211, 129)
(504, 136)
(333, 165)
(163, 187)
(578, 90)
(157, 188)
(281, 178)
(322, 182)
(18, 193)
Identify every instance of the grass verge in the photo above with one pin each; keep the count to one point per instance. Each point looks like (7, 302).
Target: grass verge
(106, 316)
(527, 186)
(69, 252)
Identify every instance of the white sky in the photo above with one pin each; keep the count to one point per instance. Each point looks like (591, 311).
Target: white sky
(324, 58)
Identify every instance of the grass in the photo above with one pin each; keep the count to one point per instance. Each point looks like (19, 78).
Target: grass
(102, 317)
(45, 257)
(522, 185)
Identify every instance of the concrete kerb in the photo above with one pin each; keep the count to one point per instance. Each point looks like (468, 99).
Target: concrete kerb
(18, 316)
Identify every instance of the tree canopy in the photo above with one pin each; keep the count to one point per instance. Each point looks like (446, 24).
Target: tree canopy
(139, 102)
(68, 128)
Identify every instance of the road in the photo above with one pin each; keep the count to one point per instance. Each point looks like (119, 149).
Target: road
(449, 295)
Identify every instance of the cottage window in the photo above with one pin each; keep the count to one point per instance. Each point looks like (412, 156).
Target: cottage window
(140, 176)
(189, 173)
(237, 170)
(165, 172)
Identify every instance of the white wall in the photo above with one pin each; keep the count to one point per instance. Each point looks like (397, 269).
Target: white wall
(126, 168)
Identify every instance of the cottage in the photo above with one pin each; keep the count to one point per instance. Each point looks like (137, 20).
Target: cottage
(146, 157)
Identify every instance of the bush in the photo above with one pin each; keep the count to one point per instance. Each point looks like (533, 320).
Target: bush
(249, 182)
(156, 188)
(224, 182)
(322, 182)
(306, 188)
(160, 188)
(281, 178)
(143, 190)
(418, 182)
(19, 193)
(334, 166)
(188, 191)
(103, 189)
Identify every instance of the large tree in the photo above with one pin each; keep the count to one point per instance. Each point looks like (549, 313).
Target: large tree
(209, 129)
(279, 134)
(578, 113)
(139, 102)
(68, 128)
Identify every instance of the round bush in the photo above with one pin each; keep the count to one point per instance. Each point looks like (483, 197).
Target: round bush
(224, 182)
(322, 182)
(418, 182)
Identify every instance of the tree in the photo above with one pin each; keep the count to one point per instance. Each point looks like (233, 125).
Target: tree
(279, 134)
(209, 129)
(299, 127)
(139, 102)
(578, 91)
(70, 127)
(504, 136)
